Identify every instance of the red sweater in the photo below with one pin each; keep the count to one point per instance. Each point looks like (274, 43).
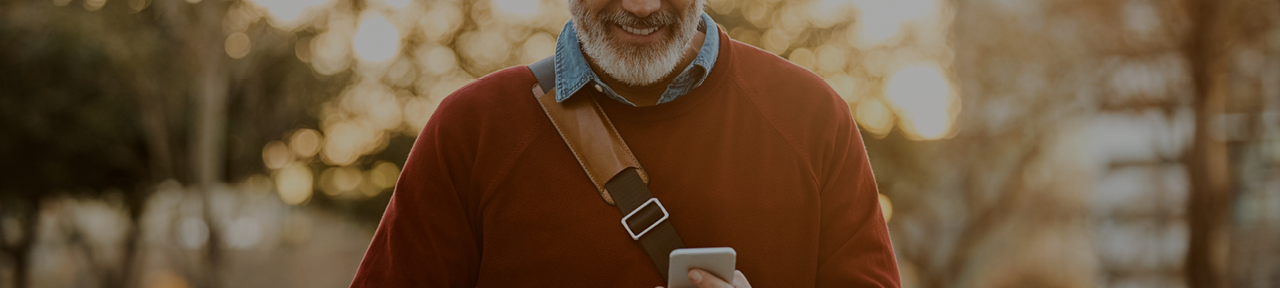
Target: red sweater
(763, 157)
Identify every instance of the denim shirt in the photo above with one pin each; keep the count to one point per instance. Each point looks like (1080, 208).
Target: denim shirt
(573, 72)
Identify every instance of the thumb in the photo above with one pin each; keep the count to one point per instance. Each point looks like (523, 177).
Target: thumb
(705, 280)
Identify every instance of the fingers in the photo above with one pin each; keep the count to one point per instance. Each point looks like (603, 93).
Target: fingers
(739, 280)
(705, 280)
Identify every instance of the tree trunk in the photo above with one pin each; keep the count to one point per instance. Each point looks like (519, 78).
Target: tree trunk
(210, 126)
(1207, 163)
(20, 252)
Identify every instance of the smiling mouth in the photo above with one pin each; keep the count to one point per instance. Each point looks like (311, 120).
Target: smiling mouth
(639, 31)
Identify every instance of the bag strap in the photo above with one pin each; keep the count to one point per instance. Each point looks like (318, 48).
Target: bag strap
(609, 164)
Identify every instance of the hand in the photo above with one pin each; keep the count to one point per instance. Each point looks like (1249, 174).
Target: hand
(706, 280)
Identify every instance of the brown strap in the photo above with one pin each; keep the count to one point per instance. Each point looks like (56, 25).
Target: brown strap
(611, 166)
(579, 120)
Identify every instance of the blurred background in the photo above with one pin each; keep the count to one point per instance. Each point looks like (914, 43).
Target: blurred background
(1017, 143)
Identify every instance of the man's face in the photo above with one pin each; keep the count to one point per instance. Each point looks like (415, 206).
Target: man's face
(637, 42)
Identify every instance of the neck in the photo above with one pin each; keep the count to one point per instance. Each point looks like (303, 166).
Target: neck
(648, 95)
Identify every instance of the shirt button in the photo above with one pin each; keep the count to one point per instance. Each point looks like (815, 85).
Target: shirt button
(598, 88)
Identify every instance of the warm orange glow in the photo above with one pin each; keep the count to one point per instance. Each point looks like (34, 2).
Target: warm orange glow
(486, 48)
(342, 142)
(376, 39)
(846, 86)
(346, 178)
(537, 47)
(721, 6)
(441, 21)
(886, 207)
(256, 184)
(165, 278)
(305, 142)
(827, 13)
(776, 41)
(330, 52)
(302, 49)
(831, 59)
(275, 155)
(924, 100)
(522, 9)
(293, 183)
(437, 60)
(804, 58)
(138, 5)
(882, 20)
(397, 3)
(755, 12)
(384, 175)
(416, 113)
(94, 5)
(286, 14)
(237, 45)
(874, 116)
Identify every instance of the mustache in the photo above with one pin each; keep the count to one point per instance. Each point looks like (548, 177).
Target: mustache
(624, 18)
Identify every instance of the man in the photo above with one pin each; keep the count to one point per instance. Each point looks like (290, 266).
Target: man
(744, 149)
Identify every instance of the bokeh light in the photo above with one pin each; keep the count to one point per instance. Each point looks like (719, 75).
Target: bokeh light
(341, 181)
(244, 233)
(521, 9)
(827, 13)
(94, 5)
(879, 21)
(438, 60)
(305, 142)
(886, 207)
(330, 52)
(803, 57)
(831, 59)
(874, 116)
(397, 3)
(441, 21)
(538, 46)
(925, 99)
(287, 14)
(376, 39)
(237, 45)
(776, 41)
(275, 155)
(417, 111)
(193, 232)
(846, 86)
(384, 175)
(368, 75)
(293, 183)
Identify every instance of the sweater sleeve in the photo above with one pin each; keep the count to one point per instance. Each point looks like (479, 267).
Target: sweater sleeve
(425, 238)
(854, 247)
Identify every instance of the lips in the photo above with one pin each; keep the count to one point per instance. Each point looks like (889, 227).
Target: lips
(639, 31)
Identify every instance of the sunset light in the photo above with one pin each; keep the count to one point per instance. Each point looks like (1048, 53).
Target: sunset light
(925, 100)
(376, 39)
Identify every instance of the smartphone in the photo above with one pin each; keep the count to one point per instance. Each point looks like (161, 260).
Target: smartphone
(719, 261)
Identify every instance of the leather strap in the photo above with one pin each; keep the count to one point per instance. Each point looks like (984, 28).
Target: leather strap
(632, 195)
(610, 165)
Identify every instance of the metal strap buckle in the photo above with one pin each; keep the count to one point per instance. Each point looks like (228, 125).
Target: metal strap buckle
(636, 236)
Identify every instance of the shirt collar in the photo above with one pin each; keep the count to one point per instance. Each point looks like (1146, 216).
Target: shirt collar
(573, 72)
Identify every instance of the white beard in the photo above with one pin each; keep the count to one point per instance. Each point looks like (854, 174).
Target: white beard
(633, 64)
